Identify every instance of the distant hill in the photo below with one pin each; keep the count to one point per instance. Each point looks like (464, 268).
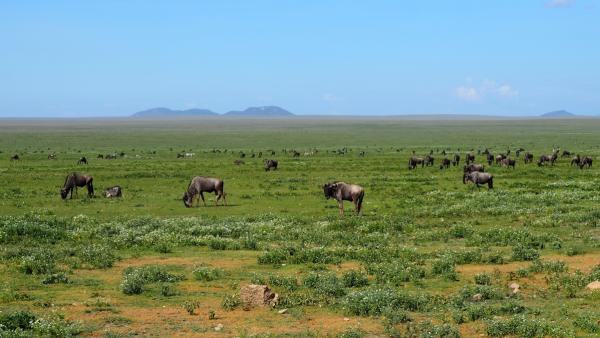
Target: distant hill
(166, 112)
(264, 111)
(558, 114)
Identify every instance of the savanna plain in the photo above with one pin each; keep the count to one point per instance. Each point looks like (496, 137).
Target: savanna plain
(428, 257)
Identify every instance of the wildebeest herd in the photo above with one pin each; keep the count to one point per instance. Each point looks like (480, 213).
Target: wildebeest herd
(340, 191)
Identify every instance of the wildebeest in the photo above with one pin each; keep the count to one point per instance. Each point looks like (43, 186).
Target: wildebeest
(75, 180)
(361, 154)
(528, 158)
(110, 156)
(115, 191)
(341, 191)
(429, 160)
(565, 153)
(456, 160)
(445, 163)
(271, 165)
(499, 158)
(199, 185)
(15, 157)
(548, 158)
(469, 168)
(52, 156)
(296, 154)
(508, 162)
(414, 161)
(479, 178)
(518, 152)
(180, 155)
(100, 156)
(586, 160)
(490, 158)
(470, 158)
(575, 160)
(238, 162)
(242, 154)
(82, 160)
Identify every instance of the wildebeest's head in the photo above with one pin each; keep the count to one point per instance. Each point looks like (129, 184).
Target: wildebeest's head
(329, 190)
(467, 177)
(187, 200)
(63, 193)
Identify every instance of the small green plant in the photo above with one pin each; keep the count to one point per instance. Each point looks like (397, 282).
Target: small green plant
(355, 278)
(190, 306)
(56, 278)
(98, 256)
(483, 279)
(230, 302)
(207, 274)
(212, 315)
(168, 290)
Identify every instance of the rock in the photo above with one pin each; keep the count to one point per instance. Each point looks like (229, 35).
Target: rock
(514, 287)
(282, 311)
(476, 297)
(219, 327)
(595, 285)
(258, 295)
(346, 319)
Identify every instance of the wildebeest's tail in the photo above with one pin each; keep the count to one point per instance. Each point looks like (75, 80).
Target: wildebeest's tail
(90, 187)
(359, 204)
(491, 183)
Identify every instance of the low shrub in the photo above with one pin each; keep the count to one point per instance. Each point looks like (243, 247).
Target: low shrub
(230, 302)
(324, 283)
(207, 274)
(98, 256)
(354, 278)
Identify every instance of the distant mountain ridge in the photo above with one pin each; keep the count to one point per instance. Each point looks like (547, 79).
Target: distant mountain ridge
(262, 111)
(558, 113)
(166, 112)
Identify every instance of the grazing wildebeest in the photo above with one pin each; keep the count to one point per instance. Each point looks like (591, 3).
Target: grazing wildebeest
(444, 152)
(486, 151)
(296, 154)
(259, 154)
(345, 192)
(100, 156)
(518, 152)
(508, 162)
(469, 168)
(361, 154)
(528, 158)
(490, 158)
(242, 154)
(110, 157)
(82, 160)
(456, 159)
(429, 160)
(499, 158)
(238, 162)
(445, 163)
(479, 178)
(199, 185)
(15, 157)
(548, 158)
(52, 156)
(115, 191)
(271, 165)
(566, 153)
(414, 161)
(470, 158)
(586, 160)
(575, 160)
(180, 155)
(75, 180)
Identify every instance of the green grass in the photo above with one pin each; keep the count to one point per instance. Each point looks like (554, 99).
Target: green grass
(411, 264)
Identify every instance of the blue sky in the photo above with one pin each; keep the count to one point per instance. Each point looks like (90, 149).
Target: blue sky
(113, 58)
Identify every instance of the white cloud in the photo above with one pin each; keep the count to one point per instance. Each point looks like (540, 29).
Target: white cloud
(467, 93)
(559, 3)
(487, 89)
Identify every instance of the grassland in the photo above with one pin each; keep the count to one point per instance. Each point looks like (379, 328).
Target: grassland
(430, 257)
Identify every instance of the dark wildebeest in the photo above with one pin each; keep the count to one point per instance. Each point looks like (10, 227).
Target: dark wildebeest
(548, 158)
(52, 157)
(115, 191)
(75, 180)
(296, 154)
(490, 158)
(508, 162)
(259, 154)
(499, 158)
(445, 163)
(180, 155)
(200, 185)
(345, 192)
(575, 160)
(470, 158)
(361, 154)
(528, 158)
(429, 160)
(486, 151)
(566, 153)
(271, 165)
(238, 162)
(479, 178)
(82, 160)
(414, 161)
(15, 157)
(110, 156)
(100, 156)
(469, 168)
(456, 159)
(242, 154)
(586, 160)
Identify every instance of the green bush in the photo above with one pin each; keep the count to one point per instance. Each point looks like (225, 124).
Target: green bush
(16, 320)
(98, 256)
(134, 278)
(523, 253)
(354, 278)
(207, 274)
(483, 279)
(38, 262)
(230, 302)
(373, 302)
(56, 278)
(324, 283)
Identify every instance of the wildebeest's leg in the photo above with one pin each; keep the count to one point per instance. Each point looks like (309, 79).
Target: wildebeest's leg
(217, 198)
(202, 196)
(341, 207)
